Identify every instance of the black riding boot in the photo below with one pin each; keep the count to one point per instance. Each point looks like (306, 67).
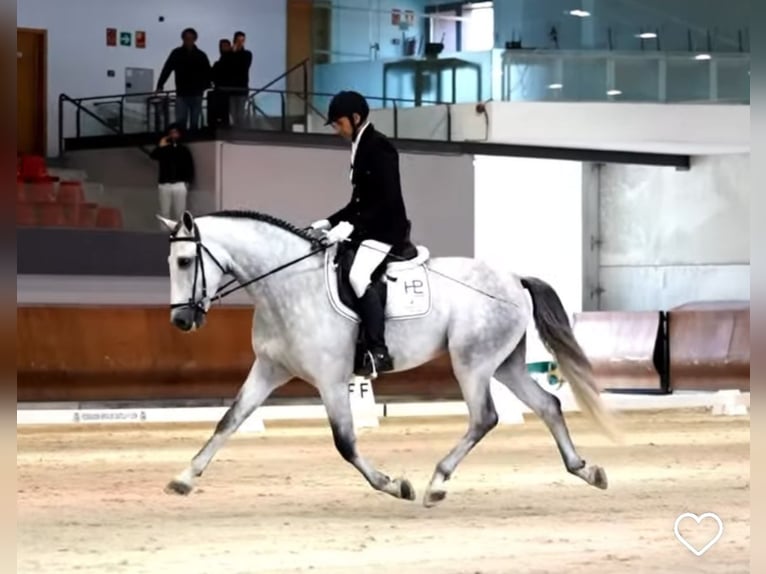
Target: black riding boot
(372, 312)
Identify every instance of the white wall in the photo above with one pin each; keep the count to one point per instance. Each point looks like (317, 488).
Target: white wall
(658, 128)
(305, 184)
(78, 57)
(528, 219)
(675, 236)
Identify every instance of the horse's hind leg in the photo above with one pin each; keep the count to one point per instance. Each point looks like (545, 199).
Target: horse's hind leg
(263, 378)
(337, 404)
(513, 374)
(482, 418)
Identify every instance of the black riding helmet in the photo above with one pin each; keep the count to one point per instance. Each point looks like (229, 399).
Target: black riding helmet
(346, 104)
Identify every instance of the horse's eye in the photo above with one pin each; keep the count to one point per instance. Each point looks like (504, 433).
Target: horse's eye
(184, 262)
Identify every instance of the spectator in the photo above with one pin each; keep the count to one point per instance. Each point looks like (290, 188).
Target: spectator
(192, 76)
(241, 62)
(176, 173)
(218, 99)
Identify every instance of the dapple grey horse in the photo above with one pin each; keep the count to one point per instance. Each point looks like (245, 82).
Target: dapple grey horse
(297, 333)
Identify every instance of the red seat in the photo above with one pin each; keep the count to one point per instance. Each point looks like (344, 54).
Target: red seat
(40, 191)
(33, 167)
(70, 192)
(21, 194)
(25, 214)
(86, 214)
(109, 218)
(50, 214)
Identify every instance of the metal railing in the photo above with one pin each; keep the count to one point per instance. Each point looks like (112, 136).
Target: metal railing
(157, 108)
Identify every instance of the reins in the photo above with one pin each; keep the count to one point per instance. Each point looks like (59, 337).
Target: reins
(225, 290)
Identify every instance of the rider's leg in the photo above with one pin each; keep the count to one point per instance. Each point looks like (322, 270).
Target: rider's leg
(369, 256)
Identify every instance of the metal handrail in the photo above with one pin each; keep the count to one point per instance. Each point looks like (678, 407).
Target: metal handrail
(304, 95)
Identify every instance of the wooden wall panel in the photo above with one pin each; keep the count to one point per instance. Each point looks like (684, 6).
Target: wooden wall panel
(79, 353)
(621, 346)
(710, 347)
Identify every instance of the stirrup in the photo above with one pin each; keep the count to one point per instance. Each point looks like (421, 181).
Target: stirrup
(374, 373)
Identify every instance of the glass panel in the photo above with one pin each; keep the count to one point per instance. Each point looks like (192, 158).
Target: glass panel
(688, 80)
(529, 78)
(638, 79)
(584, 79)
(733, 81)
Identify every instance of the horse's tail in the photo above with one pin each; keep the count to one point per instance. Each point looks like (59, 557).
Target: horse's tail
(553, 325)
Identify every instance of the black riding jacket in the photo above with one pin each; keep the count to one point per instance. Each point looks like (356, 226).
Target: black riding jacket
(376, 209)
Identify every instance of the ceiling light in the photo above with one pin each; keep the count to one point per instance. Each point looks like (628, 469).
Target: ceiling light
(702, 57)
(613, 92)
(646, 35)
(555, 86)
(579, 13)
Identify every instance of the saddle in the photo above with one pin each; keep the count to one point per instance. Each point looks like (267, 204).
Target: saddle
(397, 266)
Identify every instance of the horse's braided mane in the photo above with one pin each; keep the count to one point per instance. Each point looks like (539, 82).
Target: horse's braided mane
(265, 218)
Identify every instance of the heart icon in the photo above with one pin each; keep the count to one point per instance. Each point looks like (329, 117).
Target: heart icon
(698, 520)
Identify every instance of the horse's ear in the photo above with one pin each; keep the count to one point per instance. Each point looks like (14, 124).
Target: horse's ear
(169, 223)
(188, 221)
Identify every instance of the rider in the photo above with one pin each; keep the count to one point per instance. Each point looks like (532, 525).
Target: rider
(374, 221)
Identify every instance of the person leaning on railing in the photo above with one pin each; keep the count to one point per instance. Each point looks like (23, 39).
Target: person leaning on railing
(176, 173)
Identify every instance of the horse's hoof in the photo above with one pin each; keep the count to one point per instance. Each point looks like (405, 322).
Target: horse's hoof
(434, 497)
(406, 492)
(598, 477)
(178, 487)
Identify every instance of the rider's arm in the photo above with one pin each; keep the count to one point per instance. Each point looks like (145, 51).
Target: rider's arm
(343, 214)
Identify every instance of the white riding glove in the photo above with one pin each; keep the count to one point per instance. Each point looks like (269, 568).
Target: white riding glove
(340, 232)
(320, 224)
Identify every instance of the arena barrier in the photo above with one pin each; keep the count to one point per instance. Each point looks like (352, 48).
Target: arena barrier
(628, 349)
(99, 364)
(94, 353)
(710, 346)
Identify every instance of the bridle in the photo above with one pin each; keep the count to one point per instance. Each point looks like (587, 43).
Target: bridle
(198, 305)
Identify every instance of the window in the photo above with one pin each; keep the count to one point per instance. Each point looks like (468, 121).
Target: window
(470, 27)
(479, 27)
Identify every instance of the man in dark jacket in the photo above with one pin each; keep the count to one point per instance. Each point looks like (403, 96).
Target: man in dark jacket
(242, 59)
(374, 221)
(223, 77)
(192, 77)
(176, 173)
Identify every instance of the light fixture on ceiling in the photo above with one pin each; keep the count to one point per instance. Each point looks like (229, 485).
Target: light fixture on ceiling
(647, 35)
(555, 86)
(613, 92)
(702, 57)
(579, 13)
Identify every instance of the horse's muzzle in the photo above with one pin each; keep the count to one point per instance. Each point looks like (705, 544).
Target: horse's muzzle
(187, 318)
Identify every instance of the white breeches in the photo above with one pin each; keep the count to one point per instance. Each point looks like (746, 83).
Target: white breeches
(369, 255)
(173, 200)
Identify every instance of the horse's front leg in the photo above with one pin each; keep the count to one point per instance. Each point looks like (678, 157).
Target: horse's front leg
(263, 379)
(336, 401)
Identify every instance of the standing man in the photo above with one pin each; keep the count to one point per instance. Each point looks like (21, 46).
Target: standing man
(242, 59)
(192, 75)
(176, 173)
(218, 99)
(374, 222)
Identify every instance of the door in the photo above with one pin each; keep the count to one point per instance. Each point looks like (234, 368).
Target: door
(31, 91)
(308, 36)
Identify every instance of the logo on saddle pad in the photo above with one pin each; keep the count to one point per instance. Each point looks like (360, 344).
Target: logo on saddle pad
(408, 290)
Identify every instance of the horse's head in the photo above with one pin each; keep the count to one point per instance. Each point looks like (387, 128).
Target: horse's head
(195, 273)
